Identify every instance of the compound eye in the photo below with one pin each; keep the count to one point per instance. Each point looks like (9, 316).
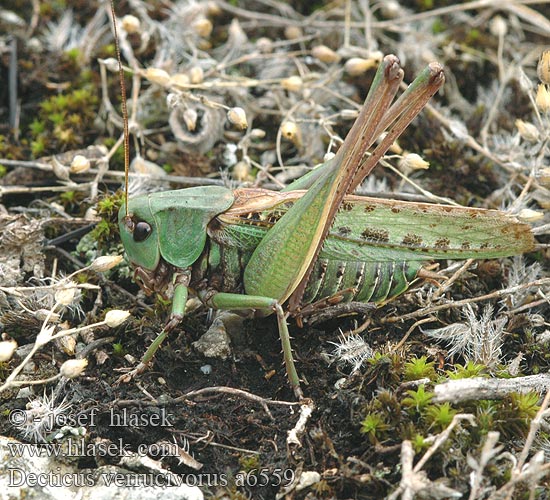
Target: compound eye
(141, 231)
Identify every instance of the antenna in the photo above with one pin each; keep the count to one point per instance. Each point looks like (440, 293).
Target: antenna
(124, 109)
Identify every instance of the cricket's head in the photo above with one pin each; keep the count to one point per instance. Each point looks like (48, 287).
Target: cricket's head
(170, 226)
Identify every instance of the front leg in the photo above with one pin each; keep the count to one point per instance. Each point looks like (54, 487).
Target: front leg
(234, 301)
(178, 310)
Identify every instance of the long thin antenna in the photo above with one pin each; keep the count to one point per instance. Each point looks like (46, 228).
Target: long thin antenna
(124, 109)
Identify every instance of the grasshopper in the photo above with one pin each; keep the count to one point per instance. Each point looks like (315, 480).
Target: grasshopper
(315, 242)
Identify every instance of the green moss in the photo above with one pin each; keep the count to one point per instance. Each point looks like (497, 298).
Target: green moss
(419, 443)
(469, 370)
(373, 425)
(417, 400)
(418, 368)
(249, 462)
(440, 416)
(64, 120)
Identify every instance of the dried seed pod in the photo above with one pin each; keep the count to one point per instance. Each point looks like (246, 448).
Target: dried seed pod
(73, 368)
(528, 215)
(293, 32)
(241, 170)
(190, 117)
(196, 75)
(543, 98)
(66, 295)
(79, 164)
(527, 131)
(257, 133)
(110, 63)
(543, 67)
(156, 75)
(325, 54)
(42, 314)
(131, 24)
(391, 9)
(105, 262)
(237, 117)
(349, 114)
(7, 348)
(498, 26)
(203, 27)
(291, 131)
(292, 83)
(180, 79)
(264, 45)
(116, 317)
(413, 161)
(357, 65)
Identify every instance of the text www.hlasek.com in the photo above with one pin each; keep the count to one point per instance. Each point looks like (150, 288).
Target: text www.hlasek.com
(80, 448)
(57, 478)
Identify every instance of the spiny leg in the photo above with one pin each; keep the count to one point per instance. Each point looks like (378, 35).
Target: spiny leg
(234, 301)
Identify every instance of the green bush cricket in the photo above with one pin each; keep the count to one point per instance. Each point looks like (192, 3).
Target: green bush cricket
(314, 243)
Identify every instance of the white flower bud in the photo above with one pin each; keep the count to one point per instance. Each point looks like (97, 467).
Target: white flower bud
(349, 114)
(257, 133)
(292, 83)
(203, 27)
(196, 75)
(156, 75)
(498, 26)
(528, 215)
(357, 65)
(111, 64)
(391, 9)
(527, 131)
(7, 348)
(543, 67)
(543, 98)
(412, 161)
(116, 317)
(237, 117)
(79, 164)
(131, 24)
(73, 368)
(325, 54)
(105, 262)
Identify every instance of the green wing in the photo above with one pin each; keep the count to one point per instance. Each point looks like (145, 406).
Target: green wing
(376, 230)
